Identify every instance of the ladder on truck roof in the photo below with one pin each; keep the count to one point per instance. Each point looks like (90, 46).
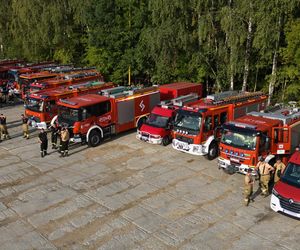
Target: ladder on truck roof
(287, 116)
(79, 75)
(122, 91)
(180, 101)
(232, 97)
(86, 84)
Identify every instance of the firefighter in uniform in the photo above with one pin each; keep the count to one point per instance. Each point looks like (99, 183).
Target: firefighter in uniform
(44, 142)
(279, 168)
(3, 127)
(25, 126)
(54, 134)
(64, 138)
(264, 170)
(248, 187)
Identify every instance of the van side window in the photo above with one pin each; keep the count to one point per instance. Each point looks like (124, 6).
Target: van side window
(223, 117)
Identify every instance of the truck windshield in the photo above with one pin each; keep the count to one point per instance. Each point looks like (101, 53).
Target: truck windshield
(157, 121)
(68, 115)
(188, 120)
(291, 175)
(33, 104)
(239, 139)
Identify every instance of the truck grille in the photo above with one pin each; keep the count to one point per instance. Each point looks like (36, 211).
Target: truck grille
(145, 134)
(293, 207)
(184, 139)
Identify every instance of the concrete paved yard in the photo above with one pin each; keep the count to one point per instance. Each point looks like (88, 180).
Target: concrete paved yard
(126, 194)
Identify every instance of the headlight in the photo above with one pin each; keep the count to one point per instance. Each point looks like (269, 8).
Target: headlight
(275, 192)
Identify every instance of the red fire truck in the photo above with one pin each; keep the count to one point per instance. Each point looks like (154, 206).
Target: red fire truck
(196, 127)
(5, 66)
(156, 129)
(94, 117)
(158, 126)
(177, 89)
(10, 62)
(15, 72)
(41, 107)
(257, 134)
(286, 193)
(75, 76)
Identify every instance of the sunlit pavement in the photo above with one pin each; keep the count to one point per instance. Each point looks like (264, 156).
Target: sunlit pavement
(126, 194)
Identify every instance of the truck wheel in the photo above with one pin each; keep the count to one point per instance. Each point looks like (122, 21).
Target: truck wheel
(94, 138)
(165, 141)
(212, 151)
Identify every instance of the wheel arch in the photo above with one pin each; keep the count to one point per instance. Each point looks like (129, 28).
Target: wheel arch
(209, 141)
(95, 127)
(140, 118)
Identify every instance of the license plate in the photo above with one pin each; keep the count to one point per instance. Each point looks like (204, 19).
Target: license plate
(144, 138)
(235, 160)
(182, 145)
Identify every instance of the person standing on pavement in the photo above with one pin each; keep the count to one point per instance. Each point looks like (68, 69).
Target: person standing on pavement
(65, 137)
(279, 168)
(3, 127)
(25, 128)
(43, 139)
(248, 187)
(265, 170)
(54, 134)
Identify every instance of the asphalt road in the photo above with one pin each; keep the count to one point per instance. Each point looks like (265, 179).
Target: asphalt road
(126, 194)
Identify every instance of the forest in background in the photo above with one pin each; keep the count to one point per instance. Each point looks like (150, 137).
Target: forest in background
(232, 44)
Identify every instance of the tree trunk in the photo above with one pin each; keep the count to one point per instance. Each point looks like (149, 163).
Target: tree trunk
(231, 52)
(256, 75)
(283, 90)
(231, 70)
(273, 77)
(274, 65)
(247, 55)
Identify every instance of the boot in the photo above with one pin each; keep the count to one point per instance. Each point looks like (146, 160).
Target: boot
(66, 154)
(42, 154)
(45, 152)
(62, 154)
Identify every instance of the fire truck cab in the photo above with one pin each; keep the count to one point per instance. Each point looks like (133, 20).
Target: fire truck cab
(257, 134)
(197, 125)
(41, 107)
(93, 117)
(286, 193)
(158, 126)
